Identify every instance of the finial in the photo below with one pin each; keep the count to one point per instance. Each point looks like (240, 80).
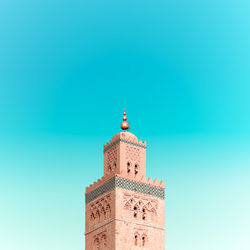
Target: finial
(124, 125)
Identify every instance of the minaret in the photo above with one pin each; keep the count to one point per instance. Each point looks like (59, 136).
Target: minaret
(124, 210)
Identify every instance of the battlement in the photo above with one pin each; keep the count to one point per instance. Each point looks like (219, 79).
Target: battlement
(125, 137)
(124, 209)
(117, 181)
(123, 175)
(99, 182)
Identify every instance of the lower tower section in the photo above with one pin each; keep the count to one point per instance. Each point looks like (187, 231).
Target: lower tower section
(100, 223)
(124, 210)
(124, 214)
(139, 221)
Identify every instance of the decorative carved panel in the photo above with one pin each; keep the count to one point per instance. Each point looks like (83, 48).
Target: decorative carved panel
(100, 241)
(111, 160)
(139, 208)
(100, 210)
(140, 237)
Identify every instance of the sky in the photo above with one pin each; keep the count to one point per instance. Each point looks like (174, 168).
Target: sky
(182, 71)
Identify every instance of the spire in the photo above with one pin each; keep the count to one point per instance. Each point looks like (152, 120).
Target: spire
(124, 125)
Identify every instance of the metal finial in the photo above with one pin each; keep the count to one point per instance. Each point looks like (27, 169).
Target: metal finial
(124, 125)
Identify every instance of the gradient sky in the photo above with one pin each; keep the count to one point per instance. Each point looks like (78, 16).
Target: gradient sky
(67, 71)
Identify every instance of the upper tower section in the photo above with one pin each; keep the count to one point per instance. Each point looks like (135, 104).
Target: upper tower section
(125, 154)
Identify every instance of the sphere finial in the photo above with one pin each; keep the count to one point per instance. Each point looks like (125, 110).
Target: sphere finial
(124, 125)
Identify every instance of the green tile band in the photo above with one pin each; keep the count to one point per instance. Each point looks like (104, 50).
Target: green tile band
(125, 141)
(118, 182)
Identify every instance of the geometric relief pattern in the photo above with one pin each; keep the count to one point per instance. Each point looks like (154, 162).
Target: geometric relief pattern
(132, 159)
(140, 208)
(140, 187)
(140, 238)
(106, 187)
(100, 241)
(133, 154)
(100, 210)
(125, 141)
(111, 159)
(118, 182)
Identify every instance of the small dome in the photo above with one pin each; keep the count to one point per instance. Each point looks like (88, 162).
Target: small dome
(126, 136)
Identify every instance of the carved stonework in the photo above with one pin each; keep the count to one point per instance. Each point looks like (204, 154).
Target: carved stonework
(140, 237)
(132, 159)
(127, 185)
(100, 210)
(125, 141)
(100, 241)
(111, 161)
(133, 154)
(140, 208)
(124, 208)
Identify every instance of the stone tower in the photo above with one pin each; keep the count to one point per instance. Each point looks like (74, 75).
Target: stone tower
(124, 210)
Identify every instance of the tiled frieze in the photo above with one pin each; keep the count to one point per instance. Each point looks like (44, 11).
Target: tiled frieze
(118, 182)
(125, 141)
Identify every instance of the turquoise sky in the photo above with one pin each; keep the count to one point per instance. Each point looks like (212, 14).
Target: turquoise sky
(67, 71)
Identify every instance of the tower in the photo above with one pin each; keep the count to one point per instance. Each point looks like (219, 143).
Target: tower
(124, 210)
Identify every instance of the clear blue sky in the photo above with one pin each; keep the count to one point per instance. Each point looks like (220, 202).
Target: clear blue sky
(67, 71)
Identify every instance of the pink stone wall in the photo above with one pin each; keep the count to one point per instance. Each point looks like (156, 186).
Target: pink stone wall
(100, 223)
(121, 219)
(140, 221)
(102, 238)
(111, 222)
(132, 161)
(124, 157)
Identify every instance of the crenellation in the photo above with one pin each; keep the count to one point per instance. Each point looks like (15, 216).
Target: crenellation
(150, 181)
(156, 182)
(125, 137)
(96, 184)
(124, 209)
(162, 184)
(143, 180)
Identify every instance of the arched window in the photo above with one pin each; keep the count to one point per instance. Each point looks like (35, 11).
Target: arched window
(127, 205)
(143, 238)
(97, 216)
(104, 241)
(153, 215)
(144, 212)
(136, 209)
(136, 169)
(108, 211)
(92, 219)
(96, 244)
(128, 167)
(136, 239)
(103, 214)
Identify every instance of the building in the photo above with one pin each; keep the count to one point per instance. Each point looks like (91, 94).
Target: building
(124, 210)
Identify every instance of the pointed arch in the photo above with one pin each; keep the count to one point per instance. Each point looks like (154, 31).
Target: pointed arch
(153, 214)
(128, 205)
(103, 214)
(143, 240)
(104, 241)
(92, 219)
(108, 211)
(97, 216)
(136, 239)
(96, 245)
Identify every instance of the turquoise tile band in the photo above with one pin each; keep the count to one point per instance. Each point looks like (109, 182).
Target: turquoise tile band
(118, 182)
(125, 141)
